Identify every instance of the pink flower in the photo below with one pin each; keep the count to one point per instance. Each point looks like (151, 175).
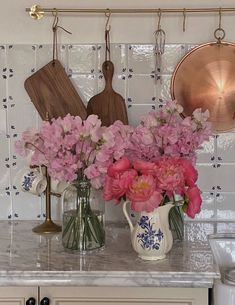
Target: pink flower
(143, 194)
(141, 188)
(149, 205)
(194, 201)
(119, 167)
(30, 138)
(144, 167)
(116, 187)
(169, 174)
(190, 173)
(107, 191)
(172, 107)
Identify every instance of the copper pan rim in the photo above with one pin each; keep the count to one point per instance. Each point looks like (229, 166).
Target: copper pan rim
(205, 78)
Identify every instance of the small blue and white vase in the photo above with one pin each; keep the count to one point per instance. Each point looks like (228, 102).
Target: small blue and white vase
(151, 236)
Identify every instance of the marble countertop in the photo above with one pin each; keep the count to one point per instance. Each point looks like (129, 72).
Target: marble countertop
(29, 259)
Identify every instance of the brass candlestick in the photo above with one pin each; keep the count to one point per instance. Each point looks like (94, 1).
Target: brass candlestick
(48, 226)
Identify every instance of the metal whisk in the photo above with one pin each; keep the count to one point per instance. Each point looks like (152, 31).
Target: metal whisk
(160, 37)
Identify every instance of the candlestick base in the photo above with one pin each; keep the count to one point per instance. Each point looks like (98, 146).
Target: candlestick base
(47, 227)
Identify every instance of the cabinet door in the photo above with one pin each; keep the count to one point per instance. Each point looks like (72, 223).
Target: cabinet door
(124, 296)
(17, 295)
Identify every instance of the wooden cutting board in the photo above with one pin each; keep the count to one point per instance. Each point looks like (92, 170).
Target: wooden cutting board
(51, 90)
(108, 105)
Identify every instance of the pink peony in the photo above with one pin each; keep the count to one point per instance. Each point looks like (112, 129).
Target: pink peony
(141, 188)
(148, 206)
(169, 174)
(193, 195)
(116, 187)
(119, 167)
(190, 173)
(144, 167)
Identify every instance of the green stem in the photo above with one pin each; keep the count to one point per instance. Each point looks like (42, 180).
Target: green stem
(176, 221)
(83, 230)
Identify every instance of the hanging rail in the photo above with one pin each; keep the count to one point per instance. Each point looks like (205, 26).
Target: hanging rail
(38, 12)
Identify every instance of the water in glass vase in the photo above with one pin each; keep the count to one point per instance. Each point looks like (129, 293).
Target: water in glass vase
(83, 221)
(83, 231)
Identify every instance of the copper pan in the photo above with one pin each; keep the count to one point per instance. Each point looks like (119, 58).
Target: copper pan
(205, 78)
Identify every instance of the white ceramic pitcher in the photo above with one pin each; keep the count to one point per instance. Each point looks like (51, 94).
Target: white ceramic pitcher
(151, 236)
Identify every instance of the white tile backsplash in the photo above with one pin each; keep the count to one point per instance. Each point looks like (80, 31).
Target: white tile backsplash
(21, 59)
(226, 147)
(141, 89)
(225, 177)
(16, 90)
(117, 56)
(24, 201)
(18, 123)
(163, 88)
(3, 121)
(206, 153)
(208, 208)
(225, 206)
(141, 59)
(86, 85)
(136, 111)
(45, 55)
(5, 163)
(6, 206)
(82, 58)
(134, 80)
(206, 177)
(172, 55)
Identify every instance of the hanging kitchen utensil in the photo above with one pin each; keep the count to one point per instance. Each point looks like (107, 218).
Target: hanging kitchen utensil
(205, 78)
(108, 104)
(159, 49)
(51, 90)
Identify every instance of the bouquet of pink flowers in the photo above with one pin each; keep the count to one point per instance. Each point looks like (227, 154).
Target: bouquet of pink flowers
(158, 166)
(166, 132)
(73, 149)
(148, 185)
(77, 151)
(149, 164)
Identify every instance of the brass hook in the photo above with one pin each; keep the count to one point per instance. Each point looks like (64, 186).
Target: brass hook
(219, 33)
(220, 16)
(159, 19)
(107, 14)
(184, 19)
(56, 19)
(55, 27)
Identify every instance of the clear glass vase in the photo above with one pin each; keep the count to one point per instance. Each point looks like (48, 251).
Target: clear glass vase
(83, 221)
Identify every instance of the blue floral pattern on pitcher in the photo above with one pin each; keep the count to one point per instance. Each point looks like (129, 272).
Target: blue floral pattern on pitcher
(150, 238)
(27, 182)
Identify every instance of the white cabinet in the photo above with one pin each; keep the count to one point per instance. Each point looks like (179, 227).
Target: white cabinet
(124, 296)
(18, 295)
(103, 296)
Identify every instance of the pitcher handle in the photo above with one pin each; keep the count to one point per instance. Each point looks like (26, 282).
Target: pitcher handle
(127, 215)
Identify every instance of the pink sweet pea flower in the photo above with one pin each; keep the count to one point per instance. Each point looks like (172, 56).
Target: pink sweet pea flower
(119, 166)
(194, 201)
(107, 191)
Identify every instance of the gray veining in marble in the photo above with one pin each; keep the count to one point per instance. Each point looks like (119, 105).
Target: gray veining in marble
(28, 259)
